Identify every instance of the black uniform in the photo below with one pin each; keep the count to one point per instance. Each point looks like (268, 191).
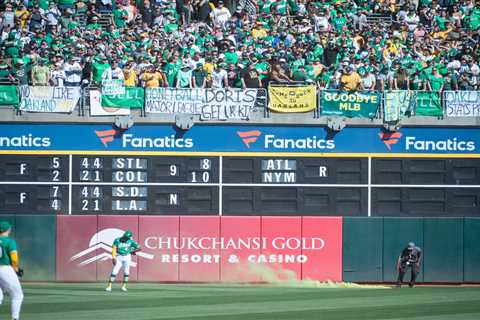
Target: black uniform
(409, 258)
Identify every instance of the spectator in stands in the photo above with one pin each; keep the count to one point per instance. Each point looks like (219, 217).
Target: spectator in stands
(315, 43)
(57, 75)
(220, 15)
(53, 15)
(8, 17)
(130, 74)
(184, 77)
(219, 76)
(19, 73)
(113, 72)
(199, 76)
(73, 72)
(251, 77)
(153, 78)
(40, 73)
(349, 80)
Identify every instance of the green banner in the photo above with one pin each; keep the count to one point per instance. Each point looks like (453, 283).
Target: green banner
(398, 104)
(132, 99)
(428, 104)
(349, 104)
(9, 96)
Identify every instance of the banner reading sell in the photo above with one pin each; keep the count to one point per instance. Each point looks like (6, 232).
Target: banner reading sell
(349, 104)
(133, 99)
(9, 96)
(292, 99)
(428, 104)
(462, 103)
(48, 99)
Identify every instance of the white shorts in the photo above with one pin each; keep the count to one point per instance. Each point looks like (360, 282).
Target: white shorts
(122, 261)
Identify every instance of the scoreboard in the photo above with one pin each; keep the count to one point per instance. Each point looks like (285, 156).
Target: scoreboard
(226, 184)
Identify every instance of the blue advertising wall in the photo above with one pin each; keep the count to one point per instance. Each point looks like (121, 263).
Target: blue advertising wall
(235, 138)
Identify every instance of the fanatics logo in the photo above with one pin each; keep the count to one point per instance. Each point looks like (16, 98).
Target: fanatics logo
(390, 138)
(106, 136)
(102, 241)
(249, 136)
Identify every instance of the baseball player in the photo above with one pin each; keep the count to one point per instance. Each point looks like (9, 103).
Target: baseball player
(9, 270)
(122, 250)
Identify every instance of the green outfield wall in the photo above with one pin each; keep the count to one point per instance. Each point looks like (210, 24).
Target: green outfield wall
(370, 247)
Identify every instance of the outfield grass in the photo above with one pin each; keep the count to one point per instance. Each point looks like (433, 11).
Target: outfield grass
(245, 302)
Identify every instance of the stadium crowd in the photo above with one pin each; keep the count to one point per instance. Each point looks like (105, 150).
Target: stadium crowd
(419, 44)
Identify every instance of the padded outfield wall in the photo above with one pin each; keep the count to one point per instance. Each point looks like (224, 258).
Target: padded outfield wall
(75, 248)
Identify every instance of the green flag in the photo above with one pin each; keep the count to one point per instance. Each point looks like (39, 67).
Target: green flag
(428, 104)
(349, 104)
(398, 104)
(9, 96)
(132, 99)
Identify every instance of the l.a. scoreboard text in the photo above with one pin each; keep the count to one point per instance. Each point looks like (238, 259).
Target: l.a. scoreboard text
(230, 170)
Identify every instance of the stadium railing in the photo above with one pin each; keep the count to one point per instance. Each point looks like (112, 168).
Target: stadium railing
(392, 105)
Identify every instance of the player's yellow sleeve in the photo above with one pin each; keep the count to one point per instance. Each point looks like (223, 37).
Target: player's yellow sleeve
(212, 6)
(14, 259)
(114, 252)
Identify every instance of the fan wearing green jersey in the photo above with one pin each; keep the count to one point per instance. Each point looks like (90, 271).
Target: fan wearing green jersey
(9, 270)
(122, 250)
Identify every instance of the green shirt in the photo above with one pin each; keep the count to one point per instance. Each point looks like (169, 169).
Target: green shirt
(436, 83)
(171, 71)
(120, 16)
(231, 57)
(124, 248)
(97, 70)
(184, 78)
(7, 245)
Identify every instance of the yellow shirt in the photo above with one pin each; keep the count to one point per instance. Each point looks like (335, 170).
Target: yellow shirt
(130, 77)
(259, 33)
(208, 67)
(350, 81)
(152, 79)
(22, 15)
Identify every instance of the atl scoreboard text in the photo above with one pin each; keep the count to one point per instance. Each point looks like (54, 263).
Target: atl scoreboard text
(238, 185)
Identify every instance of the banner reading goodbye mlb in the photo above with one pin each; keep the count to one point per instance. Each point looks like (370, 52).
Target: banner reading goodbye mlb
(292, 99)
(349, 104)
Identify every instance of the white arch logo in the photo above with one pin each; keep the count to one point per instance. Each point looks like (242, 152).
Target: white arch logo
(103, 241)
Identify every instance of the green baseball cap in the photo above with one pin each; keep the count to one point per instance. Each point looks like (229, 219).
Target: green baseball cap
(127, 234)
(4, 226)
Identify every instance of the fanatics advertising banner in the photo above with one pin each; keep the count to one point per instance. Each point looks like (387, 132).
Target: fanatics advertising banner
(203, 248)
(223, 138)
(292, 99)
(349, 104)
(48, 99)
(209, 104)
(462, 103)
